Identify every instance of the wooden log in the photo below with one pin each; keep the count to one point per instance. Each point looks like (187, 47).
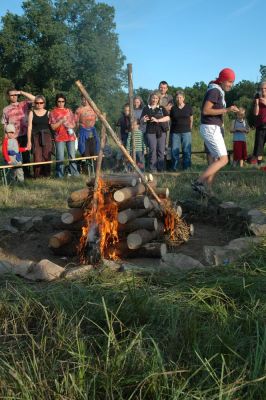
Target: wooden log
(128, 192)
(139, 238)
(75, 204)
(178, 210)
(141, 201)
(72, 216)
(67, 250)
(128, 215)
(115, 180)
(148, 250)
(163, 193)
(151, 224)
(191, 229)
(60, 238)
(117, 141)
(80, 195)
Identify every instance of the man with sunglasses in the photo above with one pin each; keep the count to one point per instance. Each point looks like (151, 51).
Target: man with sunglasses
(16, 113)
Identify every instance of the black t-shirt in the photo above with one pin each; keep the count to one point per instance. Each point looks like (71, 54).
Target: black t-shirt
(180, 119)
(157, 112)
(124, 123)
(215, 97)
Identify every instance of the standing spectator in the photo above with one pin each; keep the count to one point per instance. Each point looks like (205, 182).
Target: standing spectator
(260, 135)
(88, 139)
(62, 121)
(16, 113)
(155, 116)
(11, 152)
(240, 129)
(181, 116)
(40, 137)
(139, 144)
(165, 98)
(138, 107)
(124, 124)
(213, 109)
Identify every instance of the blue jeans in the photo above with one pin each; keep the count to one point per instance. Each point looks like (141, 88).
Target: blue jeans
(71, 153)
(181, 140)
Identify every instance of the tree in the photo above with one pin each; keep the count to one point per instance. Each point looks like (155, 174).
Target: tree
(56, 42)
(263, 72)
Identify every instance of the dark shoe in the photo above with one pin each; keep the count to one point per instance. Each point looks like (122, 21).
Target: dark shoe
(199, 187)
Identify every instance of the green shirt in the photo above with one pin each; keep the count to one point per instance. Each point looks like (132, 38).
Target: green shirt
(139, 141)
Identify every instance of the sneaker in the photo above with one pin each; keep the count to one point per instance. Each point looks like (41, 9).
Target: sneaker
(199, 187)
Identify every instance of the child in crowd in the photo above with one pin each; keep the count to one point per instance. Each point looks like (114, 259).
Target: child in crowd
(11, 152)
(239, 129)
(139, 144)
(124, 124)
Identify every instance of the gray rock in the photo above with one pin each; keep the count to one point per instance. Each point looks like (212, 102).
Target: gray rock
(45, 270)
(112, 265)
(77, 272)
(257, 229)
(228, 208)
(180, 261)
(22, 223)
(256, 216)
(223, 255)
(23, 267)
(6, 267)
(7, 228)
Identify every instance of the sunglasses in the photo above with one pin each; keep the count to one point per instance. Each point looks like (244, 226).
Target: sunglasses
(39, 102)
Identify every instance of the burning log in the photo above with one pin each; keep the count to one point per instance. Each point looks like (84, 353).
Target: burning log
(60, 239)
(141, 201)
(117, 180)
(151, 224)
(71, 216)
(127, 215)
(140, 237)
(128, 192)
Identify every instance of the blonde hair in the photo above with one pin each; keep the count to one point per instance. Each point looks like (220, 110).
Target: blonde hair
(155, 93)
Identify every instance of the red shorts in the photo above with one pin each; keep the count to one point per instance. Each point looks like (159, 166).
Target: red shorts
(240, 151)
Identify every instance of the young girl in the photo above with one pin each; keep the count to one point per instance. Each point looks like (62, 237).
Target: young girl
(213, 109)
(239, 129)
(139, 144)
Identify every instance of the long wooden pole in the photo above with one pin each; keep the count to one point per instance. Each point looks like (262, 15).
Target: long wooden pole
(131, 107)
(117, 141)
(99, 159)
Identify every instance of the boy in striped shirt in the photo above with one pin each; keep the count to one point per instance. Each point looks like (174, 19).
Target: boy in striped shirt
(139, 144)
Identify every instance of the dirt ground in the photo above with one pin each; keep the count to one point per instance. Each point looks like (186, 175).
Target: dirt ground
(33, 245)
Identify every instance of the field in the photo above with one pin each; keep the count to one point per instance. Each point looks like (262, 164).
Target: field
(195, 335)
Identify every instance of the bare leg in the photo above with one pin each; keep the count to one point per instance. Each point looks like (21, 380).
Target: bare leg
(209, 174)
(241, 163)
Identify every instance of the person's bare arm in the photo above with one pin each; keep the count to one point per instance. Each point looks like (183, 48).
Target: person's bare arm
(29, 96)
(209, 110)
(191, 122)
(158, 120)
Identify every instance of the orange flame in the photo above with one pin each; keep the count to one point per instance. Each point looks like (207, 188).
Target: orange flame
(101, 214)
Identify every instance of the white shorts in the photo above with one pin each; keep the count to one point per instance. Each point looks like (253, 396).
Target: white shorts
(213, 139)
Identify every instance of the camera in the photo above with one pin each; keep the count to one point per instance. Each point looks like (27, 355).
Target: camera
(257, 96)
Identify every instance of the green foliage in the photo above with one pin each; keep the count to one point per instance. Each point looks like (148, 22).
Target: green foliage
(263, 72)
(55, 43)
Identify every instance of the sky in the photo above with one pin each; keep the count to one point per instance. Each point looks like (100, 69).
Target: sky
(186, 41)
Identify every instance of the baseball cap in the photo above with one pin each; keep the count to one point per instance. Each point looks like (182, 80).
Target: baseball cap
(10, 128)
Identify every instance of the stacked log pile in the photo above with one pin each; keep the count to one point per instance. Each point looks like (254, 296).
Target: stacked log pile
(144, 230)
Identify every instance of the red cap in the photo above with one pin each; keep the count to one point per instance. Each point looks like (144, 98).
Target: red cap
(227, 74)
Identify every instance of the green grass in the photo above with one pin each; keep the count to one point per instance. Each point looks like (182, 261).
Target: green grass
(192, 336)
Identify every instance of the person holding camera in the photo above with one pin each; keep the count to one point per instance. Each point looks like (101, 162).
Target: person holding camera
(62, 121)
(260, 114)
(155, 116)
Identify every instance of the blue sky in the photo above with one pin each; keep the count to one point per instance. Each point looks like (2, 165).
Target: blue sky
(186, 41)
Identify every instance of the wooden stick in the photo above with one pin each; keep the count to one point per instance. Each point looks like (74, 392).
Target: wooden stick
(48, 162)
(117, 141)
(131, 108)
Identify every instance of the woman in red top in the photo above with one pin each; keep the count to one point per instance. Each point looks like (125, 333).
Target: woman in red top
(62, 122)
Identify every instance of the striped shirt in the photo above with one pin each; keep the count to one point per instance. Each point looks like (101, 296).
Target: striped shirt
(139, 141)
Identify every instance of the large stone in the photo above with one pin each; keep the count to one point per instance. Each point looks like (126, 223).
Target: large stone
(23, 267)
(77, 272)
(256, 217)
(257, 229)
(7, 228)
(45, 270)
(180, 261)
(223, 255)
(228, 208)
(6, 267)
(22, 223)
(111, 265)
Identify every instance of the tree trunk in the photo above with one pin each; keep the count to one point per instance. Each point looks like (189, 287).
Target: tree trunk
(128, 192)
(151, 224)
(59, 239)
(139, 238)
(72, 215)
(129, 214)
(137, 202)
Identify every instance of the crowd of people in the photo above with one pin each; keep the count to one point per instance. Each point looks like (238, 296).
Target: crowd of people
(164, 123)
